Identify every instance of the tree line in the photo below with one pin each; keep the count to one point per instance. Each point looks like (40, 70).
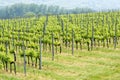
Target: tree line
(29, 10)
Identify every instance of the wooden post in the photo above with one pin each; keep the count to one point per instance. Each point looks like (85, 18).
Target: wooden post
(14, 54)
(14, 63)
(66, 42)
(6, 44)
(92, 41)
(52, 46)
(23, 48)
(72, 42)
(40, 56)
(115, 37)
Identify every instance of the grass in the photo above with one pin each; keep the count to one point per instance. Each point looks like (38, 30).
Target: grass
(100, 64)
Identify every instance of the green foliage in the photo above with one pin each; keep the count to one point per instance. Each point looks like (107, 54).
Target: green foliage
(19, 43)
(30, 53)
(21, 53)
(33, 45)
(2, 48)
(1, 65)
(12, 51)
(57, 43)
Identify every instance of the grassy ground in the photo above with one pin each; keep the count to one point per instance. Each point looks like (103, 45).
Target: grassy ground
(100, 64)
